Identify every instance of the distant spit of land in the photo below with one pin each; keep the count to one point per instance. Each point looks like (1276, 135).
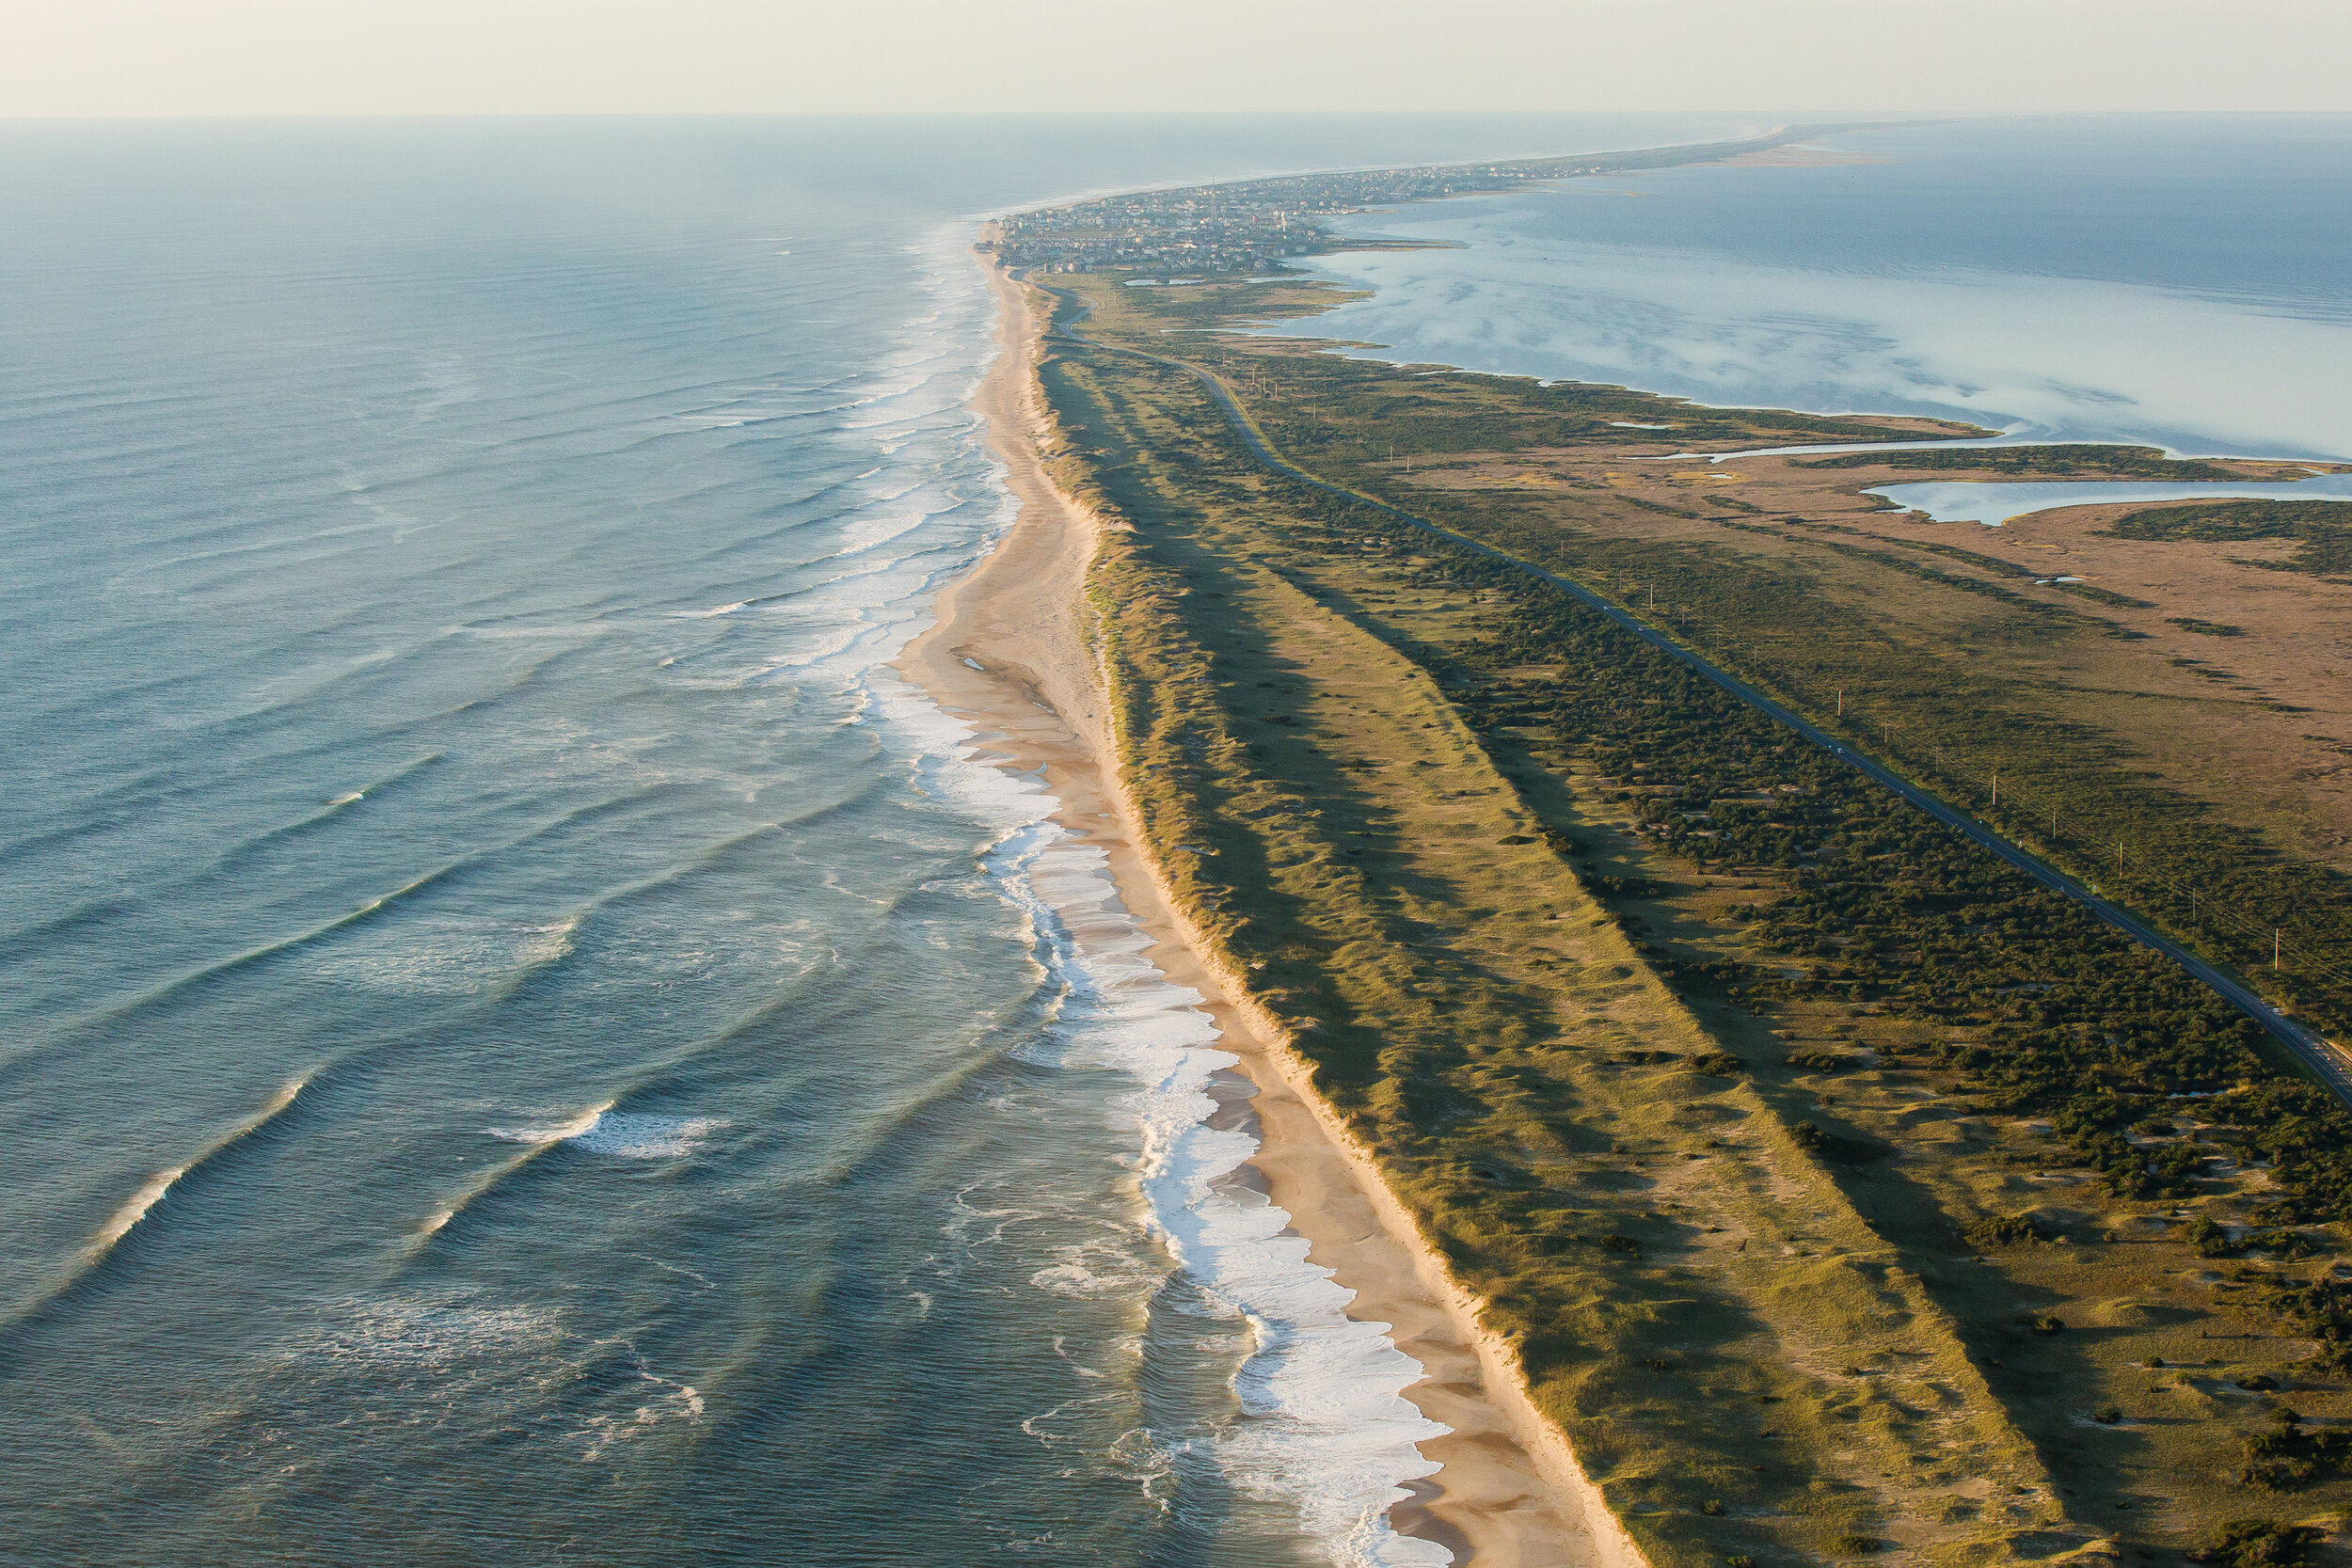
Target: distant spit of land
(1761, 1171)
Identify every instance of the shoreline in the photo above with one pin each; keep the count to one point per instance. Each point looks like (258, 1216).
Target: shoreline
(1008, 652)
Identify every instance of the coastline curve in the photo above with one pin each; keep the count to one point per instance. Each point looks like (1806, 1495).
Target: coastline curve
(1009, 650)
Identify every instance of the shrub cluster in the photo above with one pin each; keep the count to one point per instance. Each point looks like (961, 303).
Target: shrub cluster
(2149, 1078)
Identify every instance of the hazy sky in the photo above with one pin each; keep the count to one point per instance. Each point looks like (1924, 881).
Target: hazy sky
(570, 56)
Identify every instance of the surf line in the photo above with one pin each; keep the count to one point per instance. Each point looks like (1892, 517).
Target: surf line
(129, 1215)
(535, 1142)
(141, 1202)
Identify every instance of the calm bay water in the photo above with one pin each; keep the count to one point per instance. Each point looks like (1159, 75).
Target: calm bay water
(2179, 279)
(1997, 502)
(520, 1040)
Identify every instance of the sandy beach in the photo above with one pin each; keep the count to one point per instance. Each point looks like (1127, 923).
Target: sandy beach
(1009, 653)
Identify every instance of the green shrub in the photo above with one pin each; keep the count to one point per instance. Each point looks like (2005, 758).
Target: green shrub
(1824, 1145)
(1999, 1231)
(2258, 1544)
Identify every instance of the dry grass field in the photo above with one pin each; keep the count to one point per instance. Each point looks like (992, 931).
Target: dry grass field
(2235, 684)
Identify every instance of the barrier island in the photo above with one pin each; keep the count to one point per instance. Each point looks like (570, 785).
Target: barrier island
(1828, 1182)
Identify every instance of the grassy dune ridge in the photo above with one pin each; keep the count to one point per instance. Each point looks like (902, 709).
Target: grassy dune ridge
(1661, 1027)
(1527, 1083)
(2196, 792)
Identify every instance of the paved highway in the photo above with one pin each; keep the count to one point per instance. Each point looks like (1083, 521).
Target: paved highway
(2315, 1054)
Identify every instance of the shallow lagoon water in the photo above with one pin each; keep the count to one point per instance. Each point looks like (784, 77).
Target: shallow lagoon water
(1993, 503)
(2175, 279)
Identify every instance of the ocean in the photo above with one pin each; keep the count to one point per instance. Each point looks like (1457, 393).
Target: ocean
(2183, 280)
(520, 1038)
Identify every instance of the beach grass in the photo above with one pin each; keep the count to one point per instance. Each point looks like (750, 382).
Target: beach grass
(1784, 1276)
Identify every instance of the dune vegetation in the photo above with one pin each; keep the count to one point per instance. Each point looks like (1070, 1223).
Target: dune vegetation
(1843, 1192)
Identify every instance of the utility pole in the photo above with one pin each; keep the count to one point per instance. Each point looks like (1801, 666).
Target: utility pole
(1996, 790)
(1841, 702)
(2274, 950)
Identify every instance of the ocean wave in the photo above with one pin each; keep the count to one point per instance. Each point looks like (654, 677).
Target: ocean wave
(152, 1193)
(270, 549)
(597, 1129)
(102, 810)
(1325, 1430)
(230, 862)
(43, 934)
(535, 1142)
(556, 1132)
(180, 985)
(450, 954)
(620, 1134)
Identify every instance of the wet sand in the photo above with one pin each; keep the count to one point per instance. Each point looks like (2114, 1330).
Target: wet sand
(1009, 653)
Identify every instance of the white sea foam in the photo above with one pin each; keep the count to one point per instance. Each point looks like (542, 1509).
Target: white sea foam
(677, 1402)
(1325, 1430)
(544, 944)
(620, 1134)
(577, 1126)
(495, 1355)
(626, 1135)
(435, 1335)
